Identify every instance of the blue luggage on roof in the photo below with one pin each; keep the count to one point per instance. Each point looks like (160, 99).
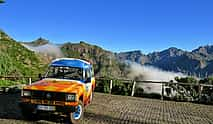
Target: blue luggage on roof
(71, 62)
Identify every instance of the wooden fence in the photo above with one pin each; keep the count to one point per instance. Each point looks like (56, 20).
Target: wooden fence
(163, 84)
(132, 82)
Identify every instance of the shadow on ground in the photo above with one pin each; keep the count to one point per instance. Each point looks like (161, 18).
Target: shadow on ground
(9, 109)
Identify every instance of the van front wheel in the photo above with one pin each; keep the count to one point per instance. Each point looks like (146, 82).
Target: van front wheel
(77, 116)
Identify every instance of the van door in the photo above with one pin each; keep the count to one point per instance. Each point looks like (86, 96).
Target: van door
(88, 84)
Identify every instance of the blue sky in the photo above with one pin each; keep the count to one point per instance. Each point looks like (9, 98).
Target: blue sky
(116, 25)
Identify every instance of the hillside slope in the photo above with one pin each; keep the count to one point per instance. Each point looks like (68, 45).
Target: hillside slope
(16, 60)
(104, 62)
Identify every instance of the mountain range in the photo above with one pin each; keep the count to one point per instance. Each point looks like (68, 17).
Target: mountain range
(198, 62)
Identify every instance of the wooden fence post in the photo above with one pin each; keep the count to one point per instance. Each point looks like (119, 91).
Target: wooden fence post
(30, 81)
(162, 92)
(110, 87)
(133, 88)
(200, 88)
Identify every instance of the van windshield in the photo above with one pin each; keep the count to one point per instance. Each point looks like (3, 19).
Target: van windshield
(65, 73)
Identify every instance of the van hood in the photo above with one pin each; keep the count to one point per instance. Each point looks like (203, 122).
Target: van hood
(56, 85)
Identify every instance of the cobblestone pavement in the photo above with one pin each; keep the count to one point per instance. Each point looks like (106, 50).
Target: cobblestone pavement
(114, 109)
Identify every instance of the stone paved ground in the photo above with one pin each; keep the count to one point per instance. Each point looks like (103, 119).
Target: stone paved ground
(112, 109)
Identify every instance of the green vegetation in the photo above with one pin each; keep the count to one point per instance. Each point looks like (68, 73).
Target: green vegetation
(197, 93)
(16, 60)
(208, 80)
(186, 80)
(7, 82)
(118, 87)
(121, 88)
(102, 86)
(192, 90)
(12, 82)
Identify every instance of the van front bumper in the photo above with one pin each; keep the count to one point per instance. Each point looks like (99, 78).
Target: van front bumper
(34, 108)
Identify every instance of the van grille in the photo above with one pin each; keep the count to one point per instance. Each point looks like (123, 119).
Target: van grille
(45, 95)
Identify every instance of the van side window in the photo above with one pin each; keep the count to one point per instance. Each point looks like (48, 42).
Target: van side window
(87, 73)
(91, 72)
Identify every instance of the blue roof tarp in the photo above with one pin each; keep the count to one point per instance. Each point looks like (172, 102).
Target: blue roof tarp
(71, 63)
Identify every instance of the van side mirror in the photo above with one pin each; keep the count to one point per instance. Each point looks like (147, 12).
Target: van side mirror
(40, 76)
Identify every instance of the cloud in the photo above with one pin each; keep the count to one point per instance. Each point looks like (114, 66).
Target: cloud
(47, 49)
(150, 73)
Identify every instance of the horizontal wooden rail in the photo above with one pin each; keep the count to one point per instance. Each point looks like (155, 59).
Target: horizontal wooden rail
(129, 81)
(12, 77)
(159, 82)
(119, 79)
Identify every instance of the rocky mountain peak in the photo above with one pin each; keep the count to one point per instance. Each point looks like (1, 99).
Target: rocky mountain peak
(40, 41)
(208, 49)
(172, 52)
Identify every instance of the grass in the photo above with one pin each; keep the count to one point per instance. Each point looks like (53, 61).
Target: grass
(16, 60)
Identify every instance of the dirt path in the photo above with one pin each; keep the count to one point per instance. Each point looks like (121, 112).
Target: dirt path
(111, 109)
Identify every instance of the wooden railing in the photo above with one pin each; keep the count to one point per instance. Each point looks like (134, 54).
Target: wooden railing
(133, 83)
(163, 84)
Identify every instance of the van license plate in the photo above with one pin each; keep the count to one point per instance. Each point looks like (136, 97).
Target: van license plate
(46, 108)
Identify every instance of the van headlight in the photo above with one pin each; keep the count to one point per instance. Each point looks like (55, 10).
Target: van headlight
(25, 93)
(71, 97)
